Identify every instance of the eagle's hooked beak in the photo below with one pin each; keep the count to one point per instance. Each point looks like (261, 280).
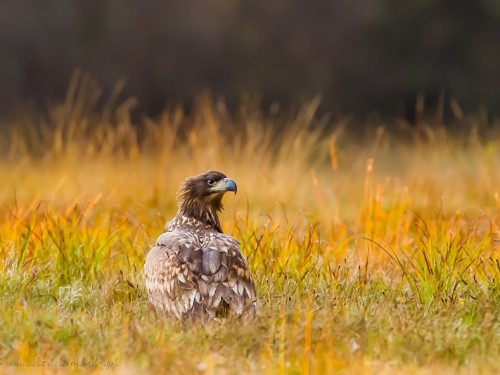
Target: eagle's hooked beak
(225, 184)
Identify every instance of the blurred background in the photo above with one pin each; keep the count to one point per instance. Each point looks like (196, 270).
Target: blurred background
(359, 56)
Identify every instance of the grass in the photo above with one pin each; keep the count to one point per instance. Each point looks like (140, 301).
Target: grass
(372, 254)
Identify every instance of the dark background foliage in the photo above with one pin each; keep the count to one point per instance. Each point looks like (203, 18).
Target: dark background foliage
(359, 55)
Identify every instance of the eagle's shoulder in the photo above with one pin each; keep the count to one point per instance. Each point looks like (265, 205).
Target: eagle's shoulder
(175, 238)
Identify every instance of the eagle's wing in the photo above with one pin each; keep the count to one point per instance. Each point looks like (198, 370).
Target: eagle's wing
(188, 276)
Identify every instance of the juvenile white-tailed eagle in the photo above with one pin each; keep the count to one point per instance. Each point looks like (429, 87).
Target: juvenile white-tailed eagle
(195, 270)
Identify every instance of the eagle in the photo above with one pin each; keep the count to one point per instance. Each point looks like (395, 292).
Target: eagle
(195, 271)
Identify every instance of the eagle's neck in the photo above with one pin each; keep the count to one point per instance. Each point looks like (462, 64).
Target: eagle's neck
(201, 213)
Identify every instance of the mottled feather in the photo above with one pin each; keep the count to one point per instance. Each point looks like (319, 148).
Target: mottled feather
(195, 270)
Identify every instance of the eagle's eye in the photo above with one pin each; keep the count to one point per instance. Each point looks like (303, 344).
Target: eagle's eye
(211, 182)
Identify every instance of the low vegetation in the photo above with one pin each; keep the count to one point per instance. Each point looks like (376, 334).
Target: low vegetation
(373, 253)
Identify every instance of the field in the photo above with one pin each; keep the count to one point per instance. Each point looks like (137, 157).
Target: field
(373, 253)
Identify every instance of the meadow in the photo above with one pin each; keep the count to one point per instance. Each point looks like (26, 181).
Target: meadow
(373, 252)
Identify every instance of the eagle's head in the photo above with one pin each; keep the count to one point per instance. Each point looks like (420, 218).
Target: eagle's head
(200, 196)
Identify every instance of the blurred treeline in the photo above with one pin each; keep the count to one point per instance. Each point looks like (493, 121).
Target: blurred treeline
(359, 55)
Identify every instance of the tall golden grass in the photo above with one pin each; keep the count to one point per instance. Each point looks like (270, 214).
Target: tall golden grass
(373, 252)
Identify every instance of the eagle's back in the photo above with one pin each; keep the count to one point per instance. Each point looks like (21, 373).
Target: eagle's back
(195, 271)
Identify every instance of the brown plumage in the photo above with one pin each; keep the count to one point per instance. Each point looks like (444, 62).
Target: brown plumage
(195, 270)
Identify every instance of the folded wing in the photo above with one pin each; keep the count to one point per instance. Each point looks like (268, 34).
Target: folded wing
(190, 276)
